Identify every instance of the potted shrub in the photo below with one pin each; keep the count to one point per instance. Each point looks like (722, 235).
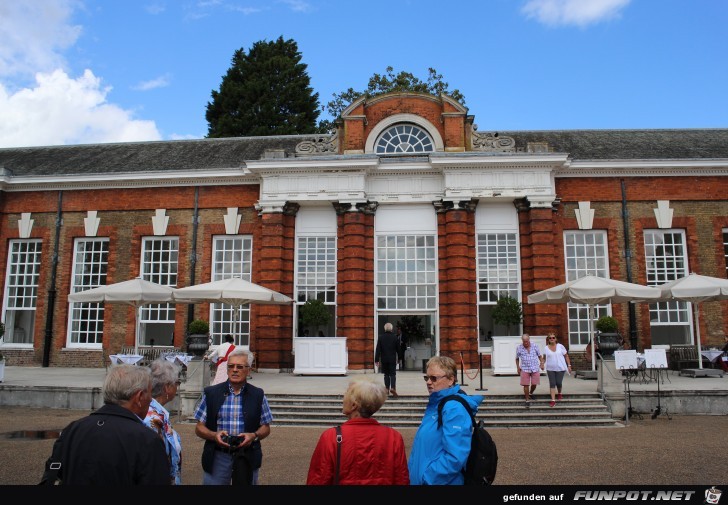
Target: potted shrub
(608, 336)
(508, 312)
(314, 314)
(198, 337)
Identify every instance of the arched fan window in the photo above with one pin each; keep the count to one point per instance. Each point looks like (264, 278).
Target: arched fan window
(404, 138)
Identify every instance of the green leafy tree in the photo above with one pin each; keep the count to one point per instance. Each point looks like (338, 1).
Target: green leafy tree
(265, 92)
(508, 312)
(389, 82)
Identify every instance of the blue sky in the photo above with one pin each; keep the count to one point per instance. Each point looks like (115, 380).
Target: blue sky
(87, 71)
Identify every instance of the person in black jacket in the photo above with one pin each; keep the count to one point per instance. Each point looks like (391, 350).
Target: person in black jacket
(385, 357)
(112, 446)
(232, 434)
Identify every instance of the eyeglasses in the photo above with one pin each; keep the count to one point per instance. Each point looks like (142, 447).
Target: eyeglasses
(238, 367)
(552, 338)
(433, 378)
(177, 383)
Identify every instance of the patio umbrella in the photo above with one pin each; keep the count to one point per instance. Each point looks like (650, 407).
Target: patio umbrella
(592, 290)
(135, 292)
(695, 288)
(232, 291)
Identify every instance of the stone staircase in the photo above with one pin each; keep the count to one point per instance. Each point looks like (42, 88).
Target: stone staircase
(507, 411)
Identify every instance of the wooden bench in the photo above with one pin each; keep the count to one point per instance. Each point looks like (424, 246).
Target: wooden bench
(686, 356)
(149, 353)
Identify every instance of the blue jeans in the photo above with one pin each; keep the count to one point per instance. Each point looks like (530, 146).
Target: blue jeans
(222, 471)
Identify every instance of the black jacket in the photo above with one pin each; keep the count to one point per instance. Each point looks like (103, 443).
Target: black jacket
(111, 447)
(387, 347)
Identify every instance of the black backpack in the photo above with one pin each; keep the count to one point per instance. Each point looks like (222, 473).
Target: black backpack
(483, 459)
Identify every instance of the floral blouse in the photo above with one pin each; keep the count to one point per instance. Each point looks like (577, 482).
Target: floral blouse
(158, 420)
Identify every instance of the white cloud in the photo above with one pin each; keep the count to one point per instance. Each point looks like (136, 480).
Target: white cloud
(159, 82)
(62, 110)
(34, 34)
(573, 12)
(155, 8)
(298, 5)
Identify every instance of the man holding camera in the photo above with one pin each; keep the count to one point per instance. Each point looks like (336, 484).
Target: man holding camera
(232, 434)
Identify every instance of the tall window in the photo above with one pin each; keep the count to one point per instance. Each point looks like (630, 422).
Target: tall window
(404, 138)
(666, 260)
(21, 290)
(159, 264)
(90, 262)
(231, 257)
(585, 253)
(316, 279)
(406, 272)
(498, 276)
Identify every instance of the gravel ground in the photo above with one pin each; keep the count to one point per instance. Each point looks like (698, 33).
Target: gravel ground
(684, 450)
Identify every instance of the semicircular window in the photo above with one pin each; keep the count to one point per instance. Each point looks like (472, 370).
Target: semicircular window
(404, 138)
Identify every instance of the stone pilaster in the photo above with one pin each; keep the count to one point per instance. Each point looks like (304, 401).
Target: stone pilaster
(355, 281)
(271, 338)
(457, 279)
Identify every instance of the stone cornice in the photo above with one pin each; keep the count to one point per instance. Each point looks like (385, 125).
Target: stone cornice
(643, 168)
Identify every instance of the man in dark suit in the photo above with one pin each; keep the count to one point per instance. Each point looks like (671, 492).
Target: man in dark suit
(401, 347)
(385, 357)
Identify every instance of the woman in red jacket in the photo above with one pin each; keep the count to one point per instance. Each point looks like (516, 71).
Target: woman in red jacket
(371, 454)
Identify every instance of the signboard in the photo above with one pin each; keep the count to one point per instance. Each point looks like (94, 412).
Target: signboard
(625, 360)
(655, 358)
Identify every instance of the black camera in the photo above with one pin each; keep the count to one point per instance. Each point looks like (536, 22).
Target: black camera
(232, 440)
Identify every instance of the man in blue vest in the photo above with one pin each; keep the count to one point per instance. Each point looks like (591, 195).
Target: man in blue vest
(233, 417)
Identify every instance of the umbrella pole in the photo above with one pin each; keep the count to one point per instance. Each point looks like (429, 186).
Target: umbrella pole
(593, 337)
(697, 333)
(136, 330)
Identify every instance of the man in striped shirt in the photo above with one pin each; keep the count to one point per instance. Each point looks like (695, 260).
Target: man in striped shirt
(529, 363)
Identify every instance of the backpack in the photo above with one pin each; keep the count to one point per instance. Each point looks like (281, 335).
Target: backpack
(483, 459)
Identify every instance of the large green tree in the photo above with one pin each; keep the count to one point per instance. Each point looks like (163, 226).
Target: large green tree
(265, 92)
(389, 82)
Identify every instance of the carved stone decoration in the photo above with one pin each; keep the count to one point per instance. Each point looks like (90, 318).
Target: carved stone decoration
(663, 214)
(160, 221)
(91, 223)
(291, 208)
(25, 225)
(368, 208)
(584, 216)
(342, 207)
(232, 221)
(486, 141)
(324, 144)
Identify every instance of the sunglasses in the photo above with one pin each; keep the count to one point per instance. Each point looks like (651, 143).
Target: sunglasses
(433, 378)
(238, 367)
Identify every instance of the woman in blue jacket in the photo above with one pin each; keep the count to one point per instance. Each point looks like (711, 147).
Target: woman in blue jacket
(439, 455)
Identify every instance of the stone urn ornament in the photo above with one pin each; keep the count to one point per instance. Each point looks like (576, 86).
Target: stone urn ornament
(608, 337)
(198, 337)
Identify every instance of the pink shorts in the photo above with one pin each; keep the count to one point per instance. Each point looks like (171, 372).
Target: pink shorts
(530, 378)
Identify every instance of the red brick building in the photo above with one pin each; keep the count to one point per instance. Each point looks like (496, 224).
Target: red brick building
(408, 214)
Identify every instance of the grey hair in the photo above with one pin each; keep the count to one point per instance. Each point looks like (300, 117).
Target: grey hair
(446, 364)
(242, 352)
(387, 326)
(163, 372)
(369, 395)
(123, 381)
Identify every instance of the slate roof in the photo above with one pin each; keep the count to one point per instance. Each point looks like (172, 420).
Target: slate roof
(206, 154)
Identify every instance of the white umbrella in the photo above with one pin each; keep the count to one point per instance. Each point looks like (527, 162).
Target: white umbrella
(695, 288)
(233, 291)
(592, 290)
(135, 292)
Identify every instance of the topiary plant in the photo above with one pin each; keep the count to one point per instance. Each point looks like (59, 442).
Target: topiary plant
(198, 327)
(607, 324)
(315, 313)
(508, 312)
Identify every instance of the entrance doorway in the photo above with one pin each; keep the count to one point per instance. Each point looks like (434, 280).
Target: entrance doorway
(419, 332)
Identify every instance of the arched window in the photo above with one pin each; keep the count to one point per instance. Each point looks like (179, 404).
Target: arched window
(404, 138)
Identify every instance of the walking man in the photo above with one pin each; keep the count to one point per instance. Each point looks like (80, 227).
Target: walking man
(385, 357)
(529, 363)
